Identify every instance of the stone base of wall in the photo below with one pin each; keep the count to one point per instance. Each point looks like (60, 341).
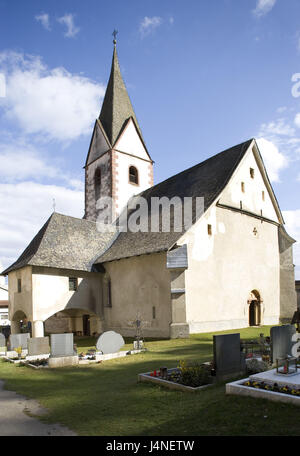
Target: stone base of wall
(179, 331)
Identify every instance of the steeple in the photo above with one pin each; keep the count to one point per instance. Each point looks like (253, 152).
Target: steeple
(116, 107)
(118, 164)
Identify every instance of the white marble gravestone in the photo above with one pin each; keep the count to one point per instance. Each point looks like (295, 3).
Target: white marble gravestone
(2, 344)
(19, 340)
(62, 345)
(38, 346)
(110, 342)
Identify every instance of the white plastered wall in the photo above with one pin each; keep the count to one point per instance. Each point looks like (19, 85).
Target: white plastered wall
(130, 151)
(227, 265)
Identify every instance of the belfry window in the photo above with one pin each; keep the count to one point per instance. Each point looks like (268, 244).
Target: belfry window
(97, 180)
(133, 175)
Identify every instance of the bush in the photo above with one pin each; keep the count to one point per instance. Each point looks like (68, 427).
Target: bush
(254, 366)
(194, 374)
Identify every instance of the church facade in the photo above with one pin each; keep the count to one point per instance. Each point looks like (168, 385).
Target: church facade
(232, 268)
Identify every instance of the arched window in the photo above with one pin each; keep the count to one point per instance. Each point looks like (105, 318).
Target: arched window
(133, 175)
(97, 183)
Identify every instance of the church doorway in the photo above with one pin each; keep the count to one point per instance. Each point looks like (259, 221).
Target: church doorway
(254, 308)
(86, 325)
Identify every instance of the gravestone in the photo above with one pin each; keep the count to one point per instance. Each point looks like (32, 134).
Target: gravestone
(110, 342)
(228, 358)
(281, 341)
(62, 345)
(38, 346)
(2, 343)
(19, 340)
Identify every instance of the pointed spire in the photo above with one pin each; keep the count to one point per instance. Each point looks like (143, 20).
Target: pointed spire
(116, 107)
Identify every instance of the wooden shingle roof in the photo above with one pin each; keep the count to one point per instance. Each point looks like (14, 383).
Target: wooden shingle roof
(64, 242)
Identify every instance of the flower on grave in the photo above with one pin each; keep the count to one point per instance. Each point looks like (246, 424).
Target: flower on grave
(247, 383)
(19, 350)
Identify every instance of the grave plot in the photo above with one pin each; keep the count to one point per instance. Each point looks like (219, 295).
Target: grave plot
(62, 351)
(228, 362)
(189, 378)
(280, 384)
(107, 347)
(268, 385)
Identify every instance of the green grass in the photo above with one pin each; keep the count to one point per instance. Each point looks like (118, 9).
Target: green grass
(105, 399)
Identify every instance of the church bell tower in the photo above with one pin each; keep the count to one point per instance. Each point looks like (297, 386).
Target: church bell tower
(118, 164)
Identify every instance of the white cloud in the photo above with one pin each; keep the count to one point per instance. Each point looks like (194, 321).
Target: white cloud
(54, 103)
(263, 7)
(32, 164)
(149, 24)
(292, 225)
(68, 21)
(273, 159)
(44, 20)
(281, 109)
(278, 127)
(29, 162)
(297, 120)
(25, 207)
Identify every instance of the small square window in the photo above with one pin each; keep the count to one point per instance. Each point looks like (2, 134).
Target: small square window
(73, 283)
(209, 230)
(252, 173)
(19, 285)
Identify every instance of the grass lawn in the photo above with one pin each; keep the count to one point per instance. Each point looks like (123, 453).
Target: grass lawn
(105, 399)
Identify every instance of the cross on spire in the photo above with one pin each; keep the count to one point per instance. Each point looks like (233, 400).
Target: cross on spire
(114, 34)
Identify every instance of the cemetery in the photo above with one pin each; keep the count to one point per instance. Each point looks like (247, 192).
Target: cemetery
(60, 350)
(229, 374)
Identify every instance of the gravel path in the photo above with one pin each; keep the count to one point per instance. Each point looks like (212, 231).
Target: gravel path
(14, 418)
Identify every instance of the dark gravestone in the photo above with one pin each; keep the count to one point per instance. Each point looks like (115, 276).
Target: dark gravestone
(281, 341)
(62, 345)
(228, 358)
(19, 340)
(38, 346)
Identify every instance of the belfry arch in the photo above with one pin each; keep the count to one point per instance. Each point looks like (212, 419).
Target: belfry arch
(255, 310)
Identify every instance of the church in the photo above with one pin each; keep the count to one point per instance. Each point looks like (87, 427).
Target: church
(231, 268)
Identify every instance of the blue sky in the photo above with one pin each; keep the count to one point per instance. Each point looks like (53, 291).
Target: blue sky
(202, 75)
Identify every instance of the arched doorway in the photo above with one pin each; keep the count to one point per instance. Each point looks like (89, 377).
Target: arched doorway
(254, 302)
(18, 322)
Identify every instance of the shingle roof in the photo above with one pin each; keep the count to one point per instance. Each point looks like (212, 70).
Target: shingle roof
(64, 242)
(206, 179)
(116, 107)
